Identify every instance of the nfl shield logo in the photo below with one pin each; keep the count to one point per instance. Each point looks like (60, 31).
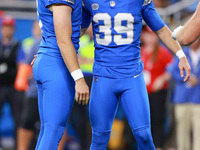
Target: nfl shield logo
(112, 3)
(95, 6)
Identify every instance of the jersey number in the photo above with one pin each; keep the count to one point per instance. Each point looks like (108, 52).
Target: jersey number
(118, 27)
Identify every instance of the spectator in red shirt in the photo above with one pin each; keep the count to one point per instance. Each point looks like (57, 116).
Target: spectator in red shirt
(156, 59)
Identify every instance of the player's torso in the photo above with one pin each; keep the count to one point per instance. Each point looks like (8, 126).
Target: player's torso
(45, 19)
(117, 28)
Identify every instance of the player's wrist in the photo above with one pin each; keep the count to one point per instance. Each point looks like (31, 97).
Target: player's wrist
(180, 54)
(77, 75)
(176, 31)
(80, 80)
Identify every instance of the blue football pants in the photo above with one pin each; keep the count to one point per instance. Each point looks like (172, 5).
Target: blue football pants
(105, 95)
(56, 91)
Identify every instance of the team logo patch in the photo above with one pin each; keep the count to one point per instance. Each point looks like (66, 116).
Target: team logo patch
(95, 6)
(112, 3)
(95, 79)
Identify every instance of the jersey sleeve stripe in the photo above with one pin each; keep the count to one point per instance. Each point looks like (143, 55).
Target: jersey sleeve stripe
(70, 1)
(146, 2)
(66, 2)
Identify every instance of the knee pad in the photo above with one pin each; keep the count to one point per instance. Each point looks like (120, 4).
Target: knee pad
(99, 140)
(144, 139)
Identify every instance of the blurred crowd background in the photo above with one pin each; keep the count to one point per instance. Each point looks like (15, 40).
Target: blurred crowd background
(174, 105)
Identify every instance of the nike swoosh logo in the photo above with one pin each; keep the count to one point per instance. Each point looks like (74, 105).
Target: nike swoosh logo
(136, 76)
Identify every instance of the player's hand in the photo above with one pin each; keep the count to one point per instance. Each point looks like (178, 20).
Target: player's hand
(33, 61)
(184, 65)
(82, 92)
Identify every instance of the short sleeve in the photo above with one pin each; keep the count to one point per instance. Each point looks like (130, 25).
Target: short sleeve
(151, 16)
(86, 17)
(70, 3)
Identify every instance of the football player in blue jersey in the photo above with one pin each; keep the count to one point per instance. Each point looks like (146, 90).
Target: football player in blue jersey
(56, 68)
(117, 71)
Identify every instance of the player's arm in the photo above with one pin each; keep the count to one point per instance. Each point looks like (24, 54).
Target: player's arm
(86, 19)
(165, 35)
(191, 31)
(154, 21)
(63, 31)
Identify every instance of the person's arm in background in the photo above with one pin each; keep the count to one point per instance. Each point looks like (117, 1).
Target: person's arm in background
(160, 81)
(63, 29)
(166, 76)
(23, 71)
(188, 33)
(154, 21)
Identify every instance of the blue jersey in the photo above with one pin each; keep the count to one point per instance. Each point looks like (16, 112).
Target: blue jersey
(45, 18)
(117, 26)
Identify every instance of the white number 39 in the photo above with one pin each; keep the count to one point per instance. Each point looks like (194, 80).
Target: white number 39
(118, 27)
